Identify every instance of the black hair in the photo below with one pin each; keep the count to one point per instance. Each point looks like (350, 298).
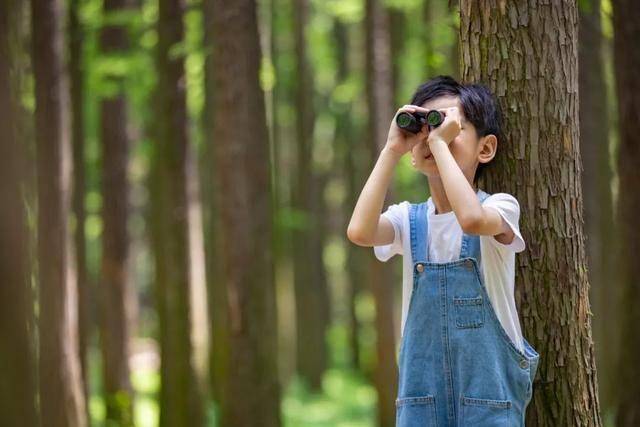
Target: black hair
(479, 105)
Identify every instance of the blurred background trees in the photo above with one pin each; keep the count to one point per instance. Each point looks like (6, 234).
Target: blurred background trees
(177, 176)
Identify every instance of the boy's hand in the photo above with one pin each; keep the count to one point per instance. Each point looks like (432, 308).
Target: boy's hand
(450, 127)
(400, 141)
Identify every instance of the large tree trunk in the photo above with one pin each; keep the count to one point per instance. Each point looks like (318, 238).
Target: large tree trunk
(310, 282)
(626, 21)
(62, 401)
(180, 401)
(114, 328)
(528, 56)
(379, 90)
(598, 208)
(242, 165)
(78, 135)
(17, 360)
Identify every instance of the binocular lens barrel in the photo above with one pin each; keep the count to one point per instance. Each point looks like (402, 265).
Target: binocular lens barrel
(413, 122)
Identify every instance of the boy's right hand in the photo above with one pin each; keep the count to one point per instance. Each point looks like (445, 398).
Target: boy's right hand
(401, 141)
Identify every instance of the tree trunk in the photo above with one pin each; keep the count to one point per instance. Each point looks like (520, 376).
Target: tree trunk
(76, 59)
(17, 360)
(379, 91)
(180, 402)
(527, 54)
(114, 330)
(242, 166)
(596, 184)
(626, 21)
(310, 282)
(62, 402)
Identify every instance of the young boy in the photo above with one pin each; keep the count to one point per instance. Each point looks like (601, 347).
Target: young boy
(463, 360)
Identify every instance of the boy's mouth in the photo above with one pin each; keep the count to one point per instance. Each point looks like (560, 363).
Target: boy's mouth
(428, 156)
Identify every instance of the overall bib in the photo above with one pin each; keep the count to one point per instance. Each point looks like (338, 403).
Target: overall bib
(457, 365)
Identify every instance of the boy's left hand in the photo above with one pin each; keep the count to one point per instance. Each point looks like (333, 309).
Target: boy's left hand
(450, 127)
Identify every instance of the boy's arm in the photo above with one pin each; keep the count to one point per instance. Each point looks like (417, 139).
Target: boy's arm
(367, 227)
(471, 215)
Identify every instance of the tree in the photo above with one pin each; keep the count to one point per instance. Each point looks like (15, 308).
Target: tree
(17, 357)
(527, 54)
(114, 330)
(242, 167)
(598, 204)
(380, 101)
(312, 312)
(180, 400)
(61, 399)
(76, 74)
(626, 21)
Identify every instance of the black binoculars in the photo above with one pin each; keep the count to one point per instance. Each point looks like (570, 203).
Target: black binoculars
(413, 122)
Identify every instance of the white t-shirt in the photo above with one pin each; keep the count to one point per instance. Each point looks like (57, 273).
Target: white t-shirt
(445, 239)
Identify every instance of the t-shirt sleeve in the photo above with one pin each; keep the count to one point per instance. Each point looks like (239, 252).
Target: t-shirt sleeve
(509, 209)
(395, 214)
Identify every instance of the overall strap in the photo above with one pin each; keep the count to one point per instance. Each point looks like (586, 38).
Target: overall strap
(418, 225)
(470, 246)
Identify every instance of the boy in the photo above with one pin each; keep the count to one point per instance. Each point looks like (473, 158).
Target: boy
(463, 360)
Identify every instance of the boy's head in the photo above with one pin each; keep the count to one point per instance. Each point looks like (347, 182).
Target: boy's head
(481, 121)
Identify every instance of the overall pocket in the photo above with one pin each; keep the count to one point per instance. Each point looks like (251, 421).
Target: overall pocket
(416, 411)
(484, 412)
(469, 312)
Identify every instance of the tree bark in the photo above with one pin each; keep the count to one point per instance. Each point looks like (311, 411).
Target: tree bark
(17, 357)
(180, 400)
(242, 166)
(626, 22)
(527, 54)
(379, 92)
(61, 399)
(114, 330)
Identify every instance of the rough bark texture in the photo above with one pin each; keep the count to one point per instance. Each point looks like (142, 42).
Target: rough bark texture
(62, 401)
(180, 402)
(596, 184)
(242, 164)
(527, 53)
(310, 281)
(626, 21)
(17, 358)
(76, 75)
(379, 90)
(114, 328)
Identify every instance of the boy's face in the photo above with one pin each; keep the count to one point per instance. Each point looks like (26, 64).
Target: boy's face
(465, 147)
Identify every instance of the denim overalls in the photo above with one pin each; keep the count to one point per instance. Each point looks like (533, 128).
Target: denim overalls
(457, 365)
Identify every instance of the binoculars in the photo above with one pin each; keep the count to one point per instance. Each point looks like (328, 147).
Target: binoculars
(413, 122)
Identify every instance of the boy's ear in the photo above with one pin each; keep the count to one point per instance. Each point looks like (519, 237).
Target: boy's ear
(488, 148)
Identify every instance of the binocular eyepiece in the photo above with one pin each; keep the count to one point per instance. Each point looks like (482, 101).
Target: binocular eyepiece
(413, 122)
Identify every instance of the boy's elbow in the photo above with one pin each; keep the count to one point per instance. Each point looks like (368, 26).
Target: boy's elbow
(356, 236)
(470, 225)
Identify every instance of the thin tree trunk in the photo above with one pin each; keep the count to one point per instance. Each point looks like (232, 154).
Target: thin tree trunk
(62, 401)
(17, 359)
(180, 400)
(626, 22)
(344, 147)
(310, 281)
(598, 208)
(76, 74)
(242, 166)
(528, 56)
(114, 327)
(379, 90)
